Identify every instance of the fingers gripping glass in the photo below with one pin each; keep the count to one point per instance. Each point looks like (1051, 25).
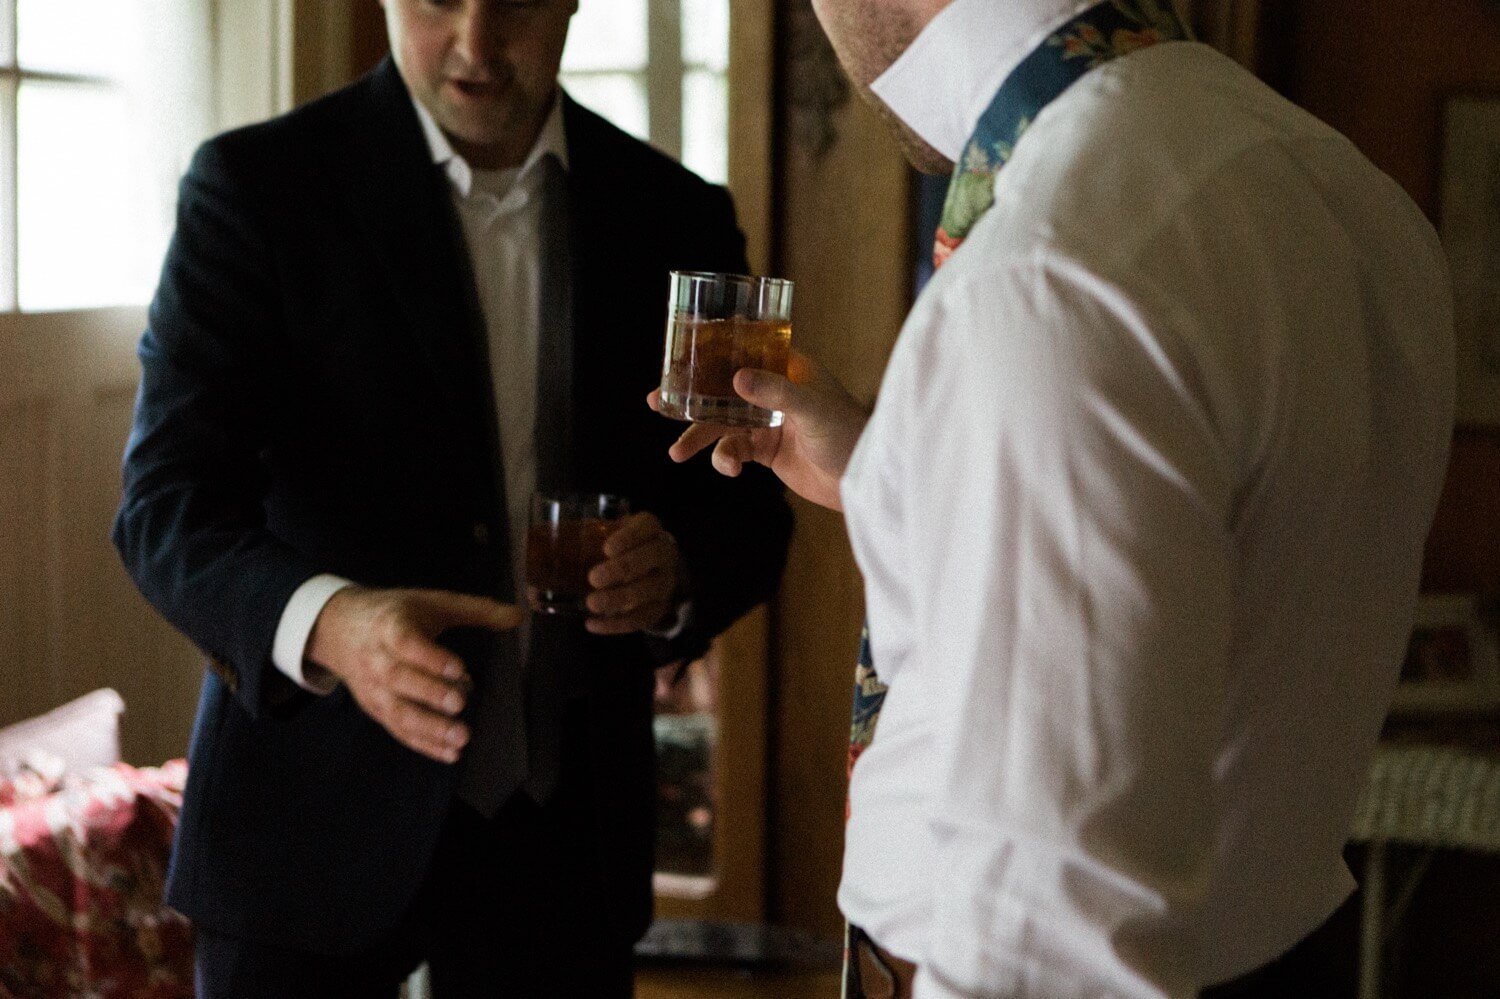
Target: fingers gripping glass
(716, 325)
(566, 540)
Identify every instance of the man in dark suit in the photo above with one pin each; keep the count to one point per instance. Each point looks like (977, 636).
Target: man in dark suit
(383, 319)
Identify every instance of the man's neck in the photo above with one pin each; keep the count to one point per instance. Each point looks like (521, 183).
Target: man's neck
(506, 155)
(465, 160)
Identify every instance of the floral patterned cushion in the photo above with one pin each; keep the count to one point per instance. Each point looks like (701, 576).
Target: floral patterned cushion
(82, 733)
(83, 861)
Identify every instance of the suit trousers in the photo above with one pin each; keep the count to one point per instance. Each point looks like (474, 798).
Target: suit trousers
(509, 909)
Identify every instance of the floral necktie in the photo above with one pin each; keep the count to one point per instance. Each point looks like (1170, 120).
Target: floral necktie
(1100, 34)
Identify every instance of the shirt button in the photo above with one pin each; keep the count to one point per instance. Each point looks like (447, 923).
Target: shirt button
(481, 533)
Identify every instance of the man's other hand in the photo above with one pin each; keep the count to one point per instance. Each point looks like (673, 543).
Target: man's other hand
(382, 645)
(636, 586)
(808, 452)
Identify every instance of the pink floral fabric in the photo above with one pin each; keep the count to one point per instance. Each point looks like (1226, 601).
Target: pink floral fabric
(82, 868)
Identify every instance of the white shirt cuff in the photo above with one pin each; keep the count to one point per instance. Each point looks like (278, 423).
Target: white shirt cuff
(684, 613)
(289, 648)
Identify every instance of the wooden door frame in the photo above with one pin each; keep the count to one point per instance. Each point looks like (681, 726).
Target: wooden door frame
(1231, 26)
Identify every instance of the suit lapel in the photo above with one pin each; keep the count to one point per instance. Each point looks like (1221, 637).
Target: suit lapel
(594, 217)
(402, 203)
(556, 462)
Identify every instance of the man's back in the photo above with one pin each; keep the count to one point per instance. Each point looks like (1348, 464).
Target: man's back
(1194, 374)
(1322, 359)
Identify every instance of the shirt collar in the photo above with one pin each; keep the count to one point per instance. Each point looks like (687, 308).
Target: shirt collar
(946, 78)
(551, 141)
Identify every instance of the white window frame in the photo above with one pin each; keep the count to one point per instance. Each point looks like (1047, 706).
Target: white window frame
(271, 55)
(255, 76)
(252, 60)
(664, 74)
(11, 78)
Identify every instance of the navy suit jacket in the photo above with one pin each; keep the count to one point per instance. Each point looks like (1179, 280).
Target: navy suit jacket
(316, 397)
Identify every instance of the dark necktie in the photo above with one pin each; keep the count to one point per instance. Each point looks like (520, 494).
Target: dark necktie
(515, 717)
(494, 762)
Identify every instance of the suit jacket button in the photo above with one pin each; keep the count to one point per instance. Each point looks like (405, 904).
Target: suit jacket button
(481, 533)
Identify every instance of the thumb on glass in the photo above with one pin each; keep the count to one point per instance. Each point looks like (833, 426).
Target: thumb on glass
(769, 390)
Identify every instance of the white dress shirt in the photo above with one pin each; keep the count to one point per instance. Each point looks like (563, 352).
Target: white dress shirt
(501, 215)
(1140, 513)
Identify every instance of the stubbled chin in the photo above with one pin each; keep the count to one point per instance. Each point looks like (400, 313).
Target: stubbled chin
(472, 125)
(918, 153)
(924, 158)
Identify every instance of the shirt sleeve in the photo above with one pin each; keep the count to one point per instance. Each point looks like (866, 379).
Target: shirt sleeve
(289, 648)
(1074, 575)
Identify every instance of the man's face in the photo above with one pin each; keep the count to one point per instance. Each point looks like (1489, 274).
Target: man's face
(485, 69)
(870, 35)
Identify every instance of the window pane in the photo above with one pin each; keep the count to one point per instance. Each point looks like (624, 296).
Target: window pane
(705, 124)
(74, 36)
(607, 34)
(705, 33)
(7, 34)
(86, 237)
(687, 786)
(685, 803)
(620, 97)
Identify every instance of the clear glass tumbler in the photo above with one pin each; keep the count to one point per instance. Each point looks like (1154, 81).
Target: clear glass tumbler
(565, 541)
(716, 325)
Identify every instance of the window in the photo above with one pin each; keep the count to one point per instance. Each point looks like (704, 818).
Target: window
(659, 70)
(101, 102)
(687, 781)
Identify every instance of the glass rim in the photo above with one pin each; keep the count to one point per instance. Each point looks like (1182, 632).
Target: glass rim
(716, 276)
(542, 496)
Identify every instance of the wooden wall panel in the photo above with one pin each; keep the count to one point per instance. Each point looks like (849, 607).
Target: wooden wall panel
(1379, 75)
(128, 647)
(817, 639)
(367, 37)
(321, 33)
(1231, 26)
(70, 619)
(26, 688)
(1463, 550)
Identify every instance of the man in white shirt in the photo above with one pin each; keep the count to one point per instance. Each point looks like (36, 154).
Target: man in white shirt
(386, 318)
(1140, 509)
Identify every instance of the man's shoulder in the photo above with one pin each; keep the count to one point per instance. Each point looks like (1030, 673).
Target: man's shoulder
(621, 159)
(308, 135)
(1147, 143)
